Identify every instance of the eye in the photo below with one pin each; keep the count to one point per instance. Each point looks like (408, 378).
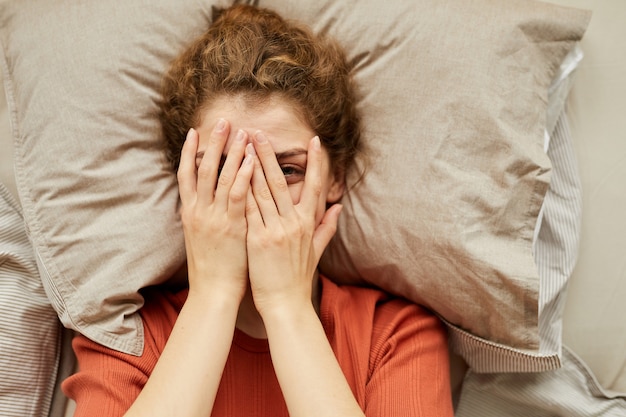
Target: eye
(292, 173)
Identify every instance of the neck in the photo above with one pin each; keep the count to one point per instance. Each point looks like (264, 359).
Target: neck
(249, 320)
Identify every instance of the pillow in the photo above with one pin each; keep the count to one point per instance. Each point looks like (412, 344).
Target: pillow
(454, 99)
(29, 329)
(455, 122)
(7, 175)
(98, 197)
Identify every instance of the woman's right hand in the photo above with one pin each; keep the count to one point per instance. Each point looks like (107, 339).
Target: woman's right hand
(213, 212)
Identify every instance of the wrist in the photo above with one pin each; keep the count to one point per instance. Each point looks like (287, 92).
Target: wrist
(217, 285)
(287, 313)
(276, 304)
(205, 298)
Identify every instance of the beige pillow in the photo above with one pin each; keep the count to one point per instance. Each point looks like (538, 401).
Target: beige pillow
(100, 203)
(455, 109)
(454, 103)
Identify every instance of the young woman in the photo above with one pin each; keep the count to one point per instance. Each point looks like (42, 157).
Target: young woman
(259, 332)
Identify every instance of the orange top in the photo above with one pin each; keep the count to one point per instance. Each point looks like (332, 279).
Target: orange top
(393, 353)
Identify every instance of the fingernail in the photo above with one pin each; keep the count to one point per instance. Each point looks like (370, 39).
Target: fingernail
(241, 135)
(189, 132)
(250, 149)
(247, 160)
(221, 124)
(260, 137)
(316, 142)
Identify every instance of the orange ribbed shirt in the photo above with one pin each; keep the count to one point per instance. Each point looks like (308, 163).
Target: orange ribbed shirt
(392, 352)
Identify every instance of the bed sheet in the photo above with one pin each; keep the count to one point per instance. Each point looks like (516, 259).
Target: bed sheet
(594, 325)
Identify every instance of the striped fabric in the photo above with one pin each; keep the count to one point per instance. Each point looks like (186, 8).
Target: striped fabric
(555, 252)
(556, 248)
(29, 327)
(571, 391)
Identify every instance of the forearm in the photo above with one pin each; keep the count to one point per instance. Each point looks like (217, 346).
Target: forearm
(307, 370)
(186, 378)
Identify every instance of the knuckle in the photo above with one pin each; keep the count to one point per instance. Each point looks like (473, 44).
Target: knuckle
(224, 180)
(251, 208)
(190, 221)
(180, 175)
(236, 196)
(185, 217)
(265, 194)
(295, 228)
(254, 241)
(281, 185)
(317, 187)
(215, 139)
(275, 239)
(204, 172)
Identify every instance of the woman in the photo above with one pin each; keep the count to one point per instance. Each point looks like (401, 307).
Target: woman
(259, 332)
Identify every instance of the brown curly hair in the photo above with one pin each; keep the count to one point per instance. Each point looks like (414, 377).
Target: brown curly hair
(254, 53)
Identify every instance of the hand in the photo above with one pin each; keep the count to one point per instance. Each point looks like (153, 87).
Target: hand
(284, 241)
(213, 212)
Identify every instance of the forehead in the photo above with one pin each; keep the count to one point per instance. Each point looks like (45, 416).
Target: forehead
(276, 117)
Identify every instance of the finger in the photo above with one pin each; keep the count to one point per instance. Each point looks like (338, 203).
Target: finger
(326, 230)
(230, 170)
(273, 174)
(209, 166)
(186, 174)
(313, 177)
(253, 215)
(263, 196)
(240, 189)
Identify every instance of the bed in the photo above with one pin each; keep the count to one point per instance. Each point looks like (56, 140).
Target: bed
(532, 300)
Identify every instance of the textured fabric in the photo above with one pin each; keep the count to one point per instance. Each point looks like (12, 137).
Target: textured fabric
(571, 391)
(556, 251)
(98, 197)
(594, 325)
(459, 173)
(29, 327)
(393, 353)
(7, 175)
(457, 179)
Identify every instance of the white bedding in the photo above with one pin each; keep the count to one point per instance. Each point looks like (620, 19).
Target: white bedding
(593, 321)
(29, 328)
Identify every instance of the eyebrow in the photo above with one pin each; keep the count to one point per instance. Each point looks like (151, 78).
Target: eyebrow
(290, 153)
(279, 155)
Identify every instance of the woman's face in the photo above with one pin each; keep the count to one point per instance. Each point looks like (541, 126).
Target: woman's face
(288, 135)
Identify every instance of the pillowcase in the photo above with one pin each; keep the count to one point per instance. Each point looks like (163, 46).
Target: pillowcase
(455, 116)
(29, 329)
(99, 200)
(454, 102)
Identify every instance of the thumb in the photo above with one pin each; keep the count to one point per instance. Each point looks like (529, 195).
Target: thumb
(326, 229)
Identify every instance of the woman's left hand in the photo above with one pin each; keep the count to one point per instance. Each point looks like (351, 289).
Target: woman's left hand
(284, 241)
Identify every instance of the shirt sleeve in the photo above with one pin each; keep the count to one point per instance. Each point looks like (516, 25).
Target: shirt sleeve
(107, 381)
(409, 364)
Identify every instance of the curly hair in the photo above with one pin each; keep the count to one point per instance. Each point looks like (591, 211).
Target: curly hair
(255, 53)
